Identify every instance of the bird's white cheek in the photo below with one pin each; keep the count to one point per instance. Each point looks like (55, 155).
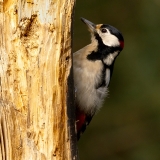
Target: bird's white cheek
(110, 40)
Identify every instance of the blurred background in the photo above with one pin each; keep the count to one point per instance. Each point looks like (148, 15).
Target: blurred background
(128, 125)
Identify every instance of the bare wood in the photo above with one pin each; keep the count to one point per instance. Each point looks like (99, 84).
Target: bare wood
(35, 62)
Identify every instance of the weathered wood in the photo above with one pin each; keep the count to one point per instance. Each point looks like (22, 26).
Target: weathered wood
(35, 63)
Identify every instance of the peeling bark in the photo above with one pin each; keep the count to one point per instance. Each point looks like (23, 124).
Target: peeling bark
(35, 64)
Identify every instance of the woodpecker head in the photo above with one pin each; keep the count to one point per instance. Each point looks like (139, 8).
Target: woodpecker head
(105, 34)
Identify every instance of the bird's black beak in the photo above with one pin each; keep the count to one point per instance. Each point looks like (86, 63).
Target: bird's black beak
(91, 26)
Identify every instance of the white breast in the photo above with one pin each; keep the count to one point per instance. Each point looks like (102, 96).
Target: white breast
(87, 74)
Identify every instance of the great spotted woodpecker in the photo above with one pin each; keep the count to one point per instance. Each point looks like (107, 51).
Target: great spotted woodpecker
(93, 67)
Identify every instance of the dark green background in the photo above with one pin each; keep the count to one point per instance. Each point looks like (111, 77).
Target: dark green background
(128, 126)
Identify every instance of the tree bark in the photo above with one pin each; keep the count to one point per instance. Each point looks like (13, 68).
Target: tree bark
(36, 105)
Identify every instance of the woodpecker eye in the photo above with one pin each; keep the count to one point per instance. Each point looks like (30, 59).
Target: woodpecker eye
(103, 30)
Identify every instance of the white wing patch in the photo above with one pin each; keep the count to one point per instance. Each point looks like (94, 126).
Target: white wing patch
(110, 58)
(107, 77)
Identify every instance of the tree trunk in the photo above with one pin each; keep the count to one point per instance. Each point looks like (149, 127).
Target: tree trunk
(36, 104)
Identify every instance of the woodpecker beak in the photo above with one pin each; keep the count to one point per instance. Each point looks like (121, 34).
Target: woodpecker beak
(91, 26)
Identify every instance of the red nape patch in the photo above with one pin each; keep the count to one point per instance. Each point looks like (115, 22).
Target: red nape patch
(80, 120)
(122, 44)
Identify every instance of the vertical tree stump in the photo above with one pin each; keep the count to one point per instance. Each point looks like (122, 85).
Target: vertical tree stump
(35, 64)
